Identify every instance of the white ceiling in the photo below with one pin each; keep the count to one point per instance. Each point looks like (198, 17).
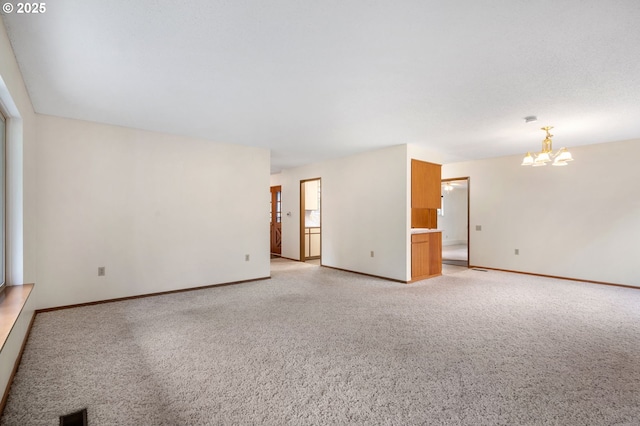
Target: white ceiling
(318, 79)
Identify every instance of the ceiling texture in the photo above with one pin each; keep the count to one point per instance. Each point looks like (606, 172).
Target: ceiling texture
(313, 80)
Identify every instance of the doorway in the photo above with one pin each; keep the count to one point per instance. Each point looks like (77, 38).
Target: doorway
(276, 221)
(310, 220)
(454, 221)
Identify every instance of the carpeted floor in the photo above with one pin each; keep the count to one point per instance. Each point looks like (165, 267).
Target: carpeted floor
(319, 346)
(456, 254)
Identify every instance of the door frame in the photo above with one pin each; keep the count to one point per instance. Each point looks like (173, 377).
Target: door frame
(303, 257)
(468, 179)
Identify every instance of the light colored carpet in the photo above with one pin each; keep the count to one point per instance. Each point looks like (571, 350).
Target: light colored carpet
(319, 346)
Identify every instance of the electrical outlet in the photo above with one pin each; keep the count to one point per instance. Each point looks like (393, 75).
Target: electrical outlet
(102, 271)
(246, 257)
(371, 253)
(517, 251)
(478, 227)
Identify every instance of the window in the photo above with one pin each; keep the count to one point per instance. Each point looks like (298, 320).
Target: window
(3, 140)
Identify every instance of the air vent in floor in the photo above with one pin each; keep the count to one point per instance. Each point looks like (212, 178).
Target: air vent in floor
(78, 418)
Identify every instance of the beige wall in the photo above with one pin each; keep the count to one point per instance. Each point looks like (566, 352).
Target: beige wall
(160, 212)
(580, 221)
(366, 207)
(364, 199)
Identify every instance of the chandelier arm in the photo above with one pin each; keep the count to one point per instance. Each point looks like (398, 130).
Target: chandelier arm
(546, 154)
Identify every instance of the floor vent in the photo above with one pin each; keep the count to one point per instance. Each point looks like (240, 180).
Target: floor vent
(78, 418)
(480, 270)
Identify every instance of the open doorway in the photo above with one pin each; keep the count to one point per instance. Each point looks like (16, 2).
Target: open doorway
(276, 221)
(310, 221)
(454, 221)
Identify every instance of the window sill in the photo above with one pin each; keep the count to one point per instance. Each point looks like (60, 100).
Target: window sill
(12, 300)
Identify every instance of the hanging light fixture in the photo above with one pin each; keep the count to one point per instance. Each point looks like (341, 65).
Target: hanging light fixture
(560, 158)
(447, 187)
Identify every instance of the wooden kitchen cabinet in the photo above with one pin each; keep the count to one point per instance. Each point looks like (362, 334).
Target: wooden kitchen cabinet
(425, 185)
(426, 255)
(424, 218)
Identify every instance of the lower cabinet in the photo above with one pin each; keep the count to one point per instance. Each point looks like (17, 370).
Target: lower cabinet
(312, 242)
(426, 255)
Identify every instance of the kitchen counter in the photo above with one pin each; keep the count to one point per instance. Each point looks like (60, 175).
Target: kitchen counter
(424, 230)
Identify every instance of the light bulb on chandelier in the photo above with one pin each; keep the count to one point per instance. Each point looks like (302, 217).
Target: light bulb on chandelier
(447, 187)
(560, 158)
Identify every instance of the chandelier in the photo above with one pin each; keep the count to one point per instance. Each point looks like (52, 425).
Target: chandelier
(560, 158)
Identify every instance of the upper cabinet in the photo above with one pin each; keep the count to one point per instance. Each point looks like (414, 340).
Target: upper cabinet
(425, 185)
(311, 197)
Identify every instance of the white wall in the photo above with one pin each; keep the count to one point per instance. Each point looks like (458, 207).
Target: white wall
(364, 202)
(20, 214)
(454, 221)
(423, 154)
(160, 212)
(580, 221)
(275, 179)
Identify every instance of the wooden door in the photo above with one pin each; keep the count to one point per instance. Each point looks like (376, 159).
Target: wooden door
(276, 220)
